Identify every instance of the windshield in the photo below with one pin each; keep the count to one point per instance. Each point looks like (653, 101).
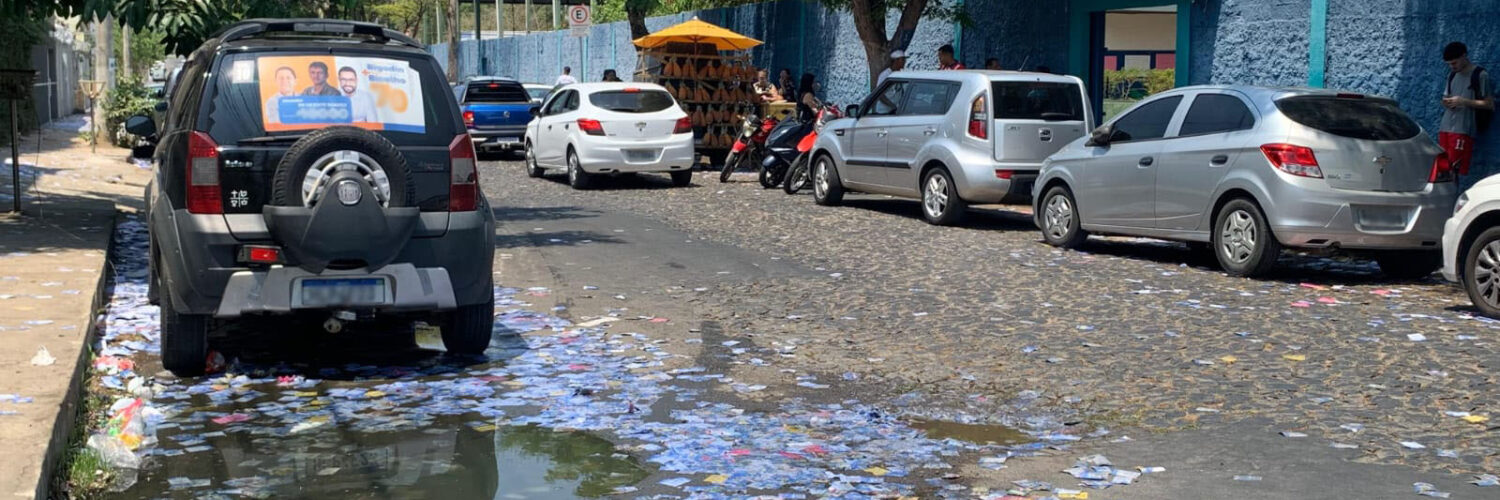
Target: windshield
(539, 93)
(632, 101)
(1369, 119)
(1038, 101)
(261, 94)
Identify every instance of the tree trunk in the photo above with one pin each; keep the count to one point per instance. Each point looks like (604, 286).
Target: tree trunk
(637, 18)
(869, 23)
(453, 40)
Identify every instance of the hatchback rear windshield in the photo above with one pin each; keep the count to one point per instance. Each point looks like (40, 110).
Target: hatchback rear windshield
(1369, 119)
(1038, 101)
(496, 92)
(632, 101)
(260, 94)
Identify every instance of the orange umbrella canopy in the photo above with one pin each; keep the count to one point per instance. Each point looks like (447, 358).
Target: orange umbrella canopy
(696, 31)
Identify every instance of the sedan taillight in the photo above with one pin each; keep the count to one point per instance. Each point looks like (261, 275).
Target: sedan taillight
(1293, 159)
(463, 184)
(1442, 170)
(203, 194)
(684, 126)
(590, 127)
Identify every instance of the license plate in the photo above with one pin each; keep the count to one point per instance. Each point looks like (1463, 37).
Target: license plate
(1382, 218)
(506, 140)
(324, 292)
(640, 155)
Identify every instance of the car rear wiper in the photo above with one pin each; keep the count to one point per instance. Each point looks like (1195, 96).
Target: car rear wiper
(270, 138)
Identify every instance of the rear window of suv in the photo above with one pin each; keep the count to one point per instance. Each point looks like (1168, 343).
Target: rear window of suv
(1049, 101)
(632, 101)
(483, 91)
(1368, 119)
(258, 94)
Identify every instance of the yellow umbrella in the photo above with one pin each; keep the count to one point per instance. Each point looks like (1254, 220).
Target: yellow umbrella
(695, 31)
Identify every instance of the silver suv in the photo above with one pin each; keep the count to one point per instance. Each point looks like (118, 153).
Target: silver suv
(951, 138)
(1250, 170)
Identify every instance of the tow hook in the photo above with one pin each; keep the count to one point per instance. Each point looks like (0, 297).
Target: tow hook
(335, 323)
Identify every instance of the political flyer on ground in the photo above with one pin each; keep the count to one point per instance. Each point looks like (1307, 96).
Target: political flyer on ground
(309, 92)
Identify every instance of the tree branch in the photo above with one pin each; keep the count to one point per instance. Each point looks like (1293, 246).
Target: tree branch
(910, 15)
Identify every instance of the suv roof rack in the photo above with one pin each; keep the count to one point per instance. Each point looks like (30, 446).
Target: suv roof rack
(256, 27)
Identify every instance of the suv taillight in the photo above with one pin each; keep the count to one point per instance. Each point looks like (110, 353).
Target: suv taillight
(469, 119)
(684, 126)
(1442, 170)
(1293, 159)
(203, 195)
(463, 185)
(979, 120)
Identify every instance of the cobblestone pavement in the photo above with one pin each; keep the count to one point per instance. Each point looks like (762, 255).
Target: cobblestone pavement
(1127, 333)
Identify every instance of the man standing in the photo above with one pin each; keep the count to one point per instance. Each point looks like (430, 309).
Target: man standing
(898, 62)
(318, 72)
(1467, 105)
(361, 103)
(946, 60)
(566, 78)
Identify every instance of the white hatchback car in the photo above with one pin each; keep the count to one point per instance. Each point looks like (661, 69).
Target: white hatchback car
(1471, 245)
(591, 129)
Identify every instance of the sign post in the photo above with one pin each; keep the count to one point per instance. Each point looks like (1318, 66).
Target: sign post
(15, 86)
(579, 20)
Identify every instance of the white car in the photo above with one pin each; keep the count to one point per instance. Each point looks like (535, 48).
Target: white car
(1471, 245)
(591, 129)
(538, 92)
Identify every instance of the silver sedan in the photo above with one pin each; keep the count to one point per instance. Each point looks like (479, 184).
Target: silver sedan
(1246, 171)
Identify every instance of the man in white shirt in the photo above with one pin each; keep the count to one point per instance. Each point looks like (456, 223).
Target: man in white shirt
(898, 61)
(565, 78)
(361, 103)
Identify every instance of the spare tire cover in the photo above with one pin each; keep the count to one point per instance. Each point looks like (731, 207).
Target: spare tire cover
(297, 184)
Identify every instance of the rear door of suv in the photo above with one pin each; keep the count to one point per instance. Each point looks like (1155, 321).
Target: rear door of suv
(249, 149)
(1034, 118)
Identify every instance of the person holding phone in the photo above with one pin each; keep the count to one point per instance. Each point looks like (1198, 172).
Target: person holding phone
(1467, 106)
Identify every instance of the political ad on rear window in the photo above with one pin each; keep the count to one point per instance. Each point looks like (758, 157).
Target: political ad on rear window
(309, 92)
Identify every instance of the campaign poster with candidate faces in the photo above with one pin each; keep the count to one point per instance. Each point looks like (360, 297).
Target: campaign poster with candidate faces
(310, 92)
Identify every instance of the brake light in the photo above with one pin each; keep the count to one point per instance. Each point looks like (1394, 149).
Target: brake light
(1004, 174)
(1292, 159)
(493, 85)
(259, 254)
(203, 194)
(590, 127)
(684, 126)
(469, 119)
(979, 120)
(1442, 170)
(463, 184)
(631, 90)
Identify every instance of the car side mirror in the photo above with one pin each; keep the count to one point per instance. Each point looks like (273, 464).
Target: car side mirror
(1101, 136)
(141, 126)
(536, 111)
(161, 106)
(852, 110)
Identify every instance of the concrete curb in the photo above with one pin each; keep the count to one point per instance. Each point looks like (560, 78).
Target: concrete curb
(62, 427)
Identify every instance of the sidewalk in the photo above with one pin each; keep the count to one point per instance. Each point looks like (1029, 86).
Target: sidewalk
(52, 266)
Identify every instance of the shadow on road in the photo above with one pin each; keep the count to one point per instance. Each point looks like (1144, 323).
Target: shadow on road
(980, 219)
(1292, 268)
(625, 182)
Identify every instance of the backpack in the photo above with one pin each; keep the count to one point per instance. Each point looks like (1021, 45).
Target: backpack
(1482, 117)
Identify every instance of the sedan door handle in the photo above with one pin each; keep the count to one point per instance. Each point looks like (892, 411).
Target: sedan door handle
(929, 131)
(1219, 159)
(1146, 161)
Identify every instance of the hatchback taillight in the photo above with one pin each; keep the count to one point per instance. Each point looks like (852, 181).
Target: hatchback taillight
(203, 194)
(469, 119)
(463, 185)
(979, 119)
(1293, 159)
(590, 127)
(684, 126)
(1442, 170)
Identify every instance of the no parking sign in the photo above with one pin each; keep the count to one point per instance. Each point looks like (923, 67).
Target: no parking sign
(579, 20)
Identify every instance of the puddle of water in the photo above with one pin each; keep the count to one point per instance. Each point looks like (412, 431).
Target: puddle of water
(448, 460)
(973, 433)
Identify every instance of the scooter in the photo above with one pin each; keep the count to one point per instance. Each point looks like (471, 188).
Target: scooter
(750, 147)
(781, 146)
(796, 178)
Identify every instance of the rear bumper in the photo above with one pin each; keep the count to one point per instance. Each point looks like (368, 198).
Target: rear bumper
(982, 185)
(270, 291)
(1321, 218)
(199, 255)
(612, 155)
(508, 137)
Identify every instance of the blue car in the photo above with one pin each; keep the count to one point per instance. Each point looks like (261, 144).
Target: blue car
(496, 111)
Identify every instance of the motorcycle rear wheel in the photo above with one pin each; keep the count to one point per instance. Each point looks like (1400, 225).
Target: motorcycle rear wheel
(797, 178)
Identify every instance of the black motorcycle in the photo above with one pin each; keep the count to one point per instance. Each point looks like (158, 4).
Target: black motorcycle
(781, 150)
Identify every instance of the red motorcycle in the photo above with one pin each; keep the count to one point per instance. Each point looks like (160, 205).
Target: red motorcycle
(750, 145)
(797, 177)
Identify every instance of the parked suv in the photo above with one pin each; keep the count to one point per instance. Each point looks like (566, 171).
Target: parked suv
(315, 168)
(496, 111)
(950, 138)
(1250, 170)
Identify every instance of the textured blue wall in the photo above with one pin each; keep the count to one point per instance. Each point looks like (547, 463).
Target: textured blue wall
(1016, 32)
(801, 36)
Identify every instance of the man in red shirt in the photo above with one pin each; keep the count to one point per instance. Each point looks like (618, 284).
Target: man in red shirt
(946, 60)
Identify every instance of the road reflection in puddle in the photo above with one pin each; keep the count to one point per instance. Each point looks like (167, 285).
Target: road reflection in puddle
(451, 460)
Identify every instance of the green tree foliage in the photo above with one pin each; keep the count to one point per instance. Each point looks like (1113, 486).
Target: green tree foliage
(146, 47)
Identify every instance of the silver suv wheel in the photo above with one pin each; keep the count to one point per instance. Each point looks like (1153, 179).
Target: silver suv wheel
(315, 183)
(935, 197)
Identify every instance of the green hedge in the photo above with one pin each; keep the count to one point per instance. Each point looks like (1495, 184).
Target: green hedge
(129, 98)
(1137, 83)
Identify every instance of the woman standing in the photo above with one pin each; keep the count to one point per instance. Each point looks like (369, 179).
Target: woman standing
(808, 103)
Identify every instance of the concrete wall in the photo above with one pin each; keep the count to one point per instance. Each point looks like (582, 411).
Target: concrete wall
(1140, 31)
(801, 36)
(1018, 33)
